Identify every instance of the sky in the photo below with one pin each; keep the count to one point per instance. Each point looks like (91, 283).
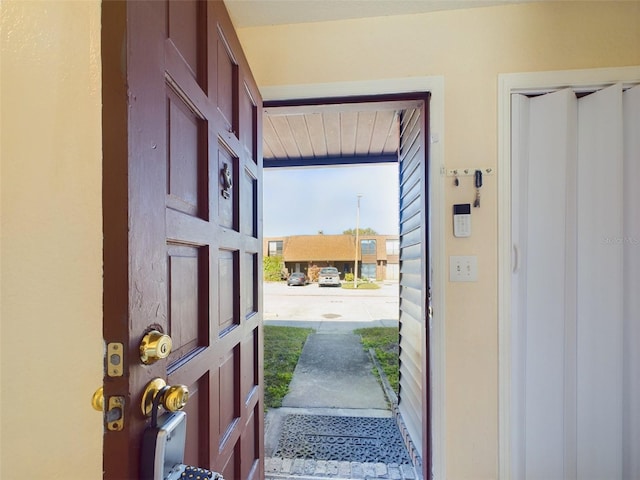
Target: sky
(305, 201)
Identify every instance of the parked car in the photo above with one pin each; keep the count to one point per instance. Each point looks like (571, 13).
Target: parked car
(297, 278)
(329, 276)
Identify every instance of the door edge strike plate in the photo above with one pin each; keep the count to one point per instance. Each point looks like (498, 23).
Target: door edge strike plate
(114, 416)
(115, 359)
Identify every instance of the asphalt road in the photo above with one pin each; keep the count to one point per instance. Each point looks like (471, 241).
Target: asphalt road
(328, 309)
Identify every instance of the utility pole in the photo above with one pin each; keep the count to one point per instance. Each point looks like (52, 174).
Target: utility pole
(355, 270)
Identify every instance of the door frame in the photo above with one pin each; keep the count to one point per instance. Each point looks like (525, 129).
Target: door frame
(508, 84)
(434, 85)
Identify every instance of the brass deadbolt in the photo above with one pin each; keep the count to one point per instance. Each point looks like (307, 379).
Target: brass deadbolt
(173, 398)
(154, 346)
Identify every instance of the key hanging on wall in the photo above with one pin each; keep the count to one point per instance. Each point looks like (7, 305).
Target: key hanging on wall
(478, 183)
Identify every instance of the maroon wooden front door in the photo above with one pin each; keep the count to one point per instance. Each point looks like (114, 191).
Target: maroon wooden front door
(182, 228)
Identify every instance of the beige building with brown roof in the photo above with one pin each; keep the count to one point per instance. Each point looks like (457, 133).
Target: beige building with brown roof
(378, 256)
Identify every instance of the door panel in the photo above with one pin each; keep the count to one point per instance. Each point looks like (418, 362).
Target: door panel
(631, 333)
(226, 81)
(187, 158)
(182, 223)
(188, 299)
(197, 407)
(547, 205)
(599, 284)
(414, 395)
(187, 31)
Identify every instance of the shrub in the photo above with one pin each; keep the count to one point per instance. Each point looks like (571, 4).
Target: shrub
(272, 268)
(312, 273)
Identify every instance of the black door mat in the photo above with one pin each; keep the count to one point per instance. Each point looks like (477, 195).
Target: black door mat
(352, 439)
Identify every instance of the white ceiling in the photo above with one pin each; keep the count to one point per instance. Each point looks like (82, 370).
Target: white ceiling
(253, 13)
(308, 135)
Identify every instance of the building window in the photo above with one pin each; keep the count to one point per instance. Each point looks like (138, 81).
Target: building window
(393, 247)
(368, 247)
(368, 270)
(275, 248)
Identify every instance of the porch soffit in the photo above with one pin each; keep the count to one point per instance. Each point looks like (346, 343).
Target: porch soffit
(330, 134)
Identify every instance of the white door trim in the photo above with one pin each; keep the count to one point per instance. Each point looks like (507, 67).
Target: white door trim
(434, 85)
(507, 85)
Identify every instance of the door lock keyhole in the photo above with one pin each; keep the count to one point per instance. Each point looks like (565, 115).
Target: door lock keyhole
(154, 346)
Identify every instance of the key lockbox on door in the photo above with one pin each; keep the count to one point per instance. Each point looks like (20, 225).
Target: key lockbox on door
(163, 451)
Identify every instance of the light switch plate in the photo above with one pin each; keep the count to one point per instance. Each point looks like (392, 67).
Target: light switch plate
(463, 268)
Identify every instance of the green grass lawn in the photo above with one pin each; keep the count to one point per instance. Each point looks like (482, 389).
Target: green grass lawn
(361, 286)
(282, 348)
(384, 341)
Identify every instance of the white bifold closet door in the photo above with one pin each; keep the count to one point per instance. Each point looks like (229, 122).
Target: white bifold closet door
(575, 211)
(631, 325)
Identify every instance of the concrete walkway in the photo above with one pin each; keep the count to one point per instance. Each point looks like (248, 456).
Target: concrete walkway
(333, 377)
(334, 372)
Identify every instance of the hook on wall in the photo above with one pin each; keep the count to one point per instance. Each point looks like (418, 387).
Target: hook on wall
(464, 172)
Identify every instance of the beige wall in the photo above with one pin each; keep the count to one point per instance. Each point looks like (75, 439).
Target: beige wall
(51, 270)
(50, 300)
(469, 48)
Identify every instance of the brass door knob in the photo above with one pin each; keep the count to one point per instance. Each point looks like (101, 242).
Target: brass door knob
(97, 400)
(172, 398)
(175, 398)
(154, 346)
